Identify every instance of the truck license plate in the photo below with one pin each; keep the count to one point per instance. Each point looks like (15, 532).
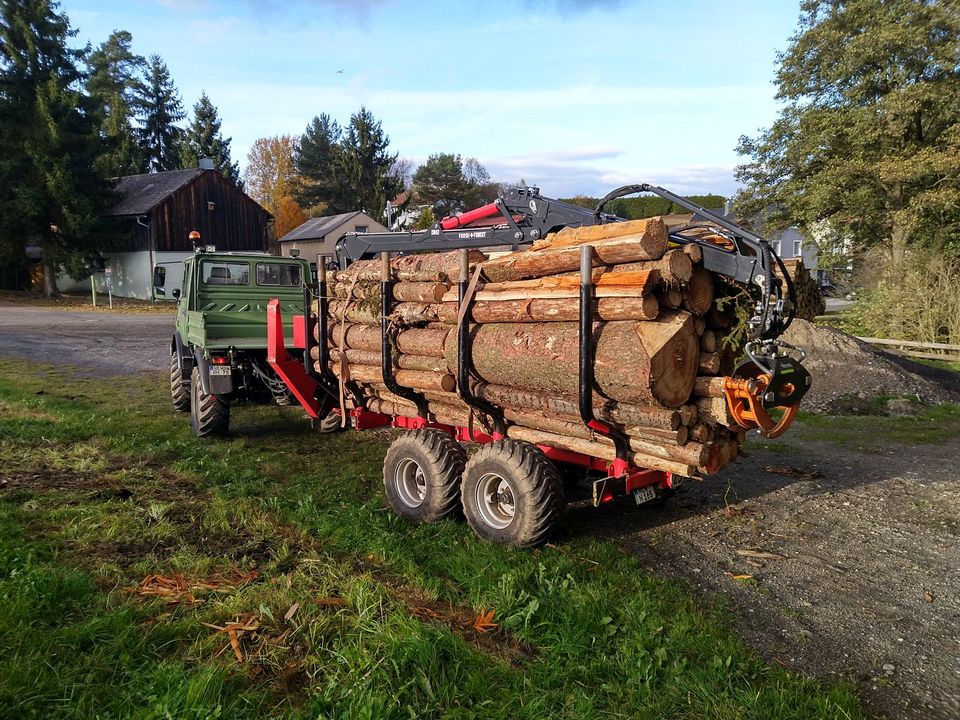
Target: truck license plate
(644, 494)
(220, 370)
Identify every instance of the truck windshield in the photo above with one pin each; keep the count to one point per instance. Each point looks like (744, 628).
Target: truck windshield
(219, 272)
(282, 274)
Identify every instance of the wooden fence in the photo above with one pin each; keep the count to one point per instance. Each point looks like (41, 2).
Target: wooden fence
(909, 348)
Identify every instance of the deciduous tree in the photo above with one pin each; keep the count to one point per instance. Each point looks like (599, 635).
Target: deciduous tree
(271, 175)
(869, 137)
(202, 138)
(289, 217)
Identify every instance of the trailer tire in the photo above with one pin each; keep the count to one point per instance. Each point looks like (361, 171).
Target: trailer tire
(210, 413)
(512, 494)
(421, 475)
(179, 390)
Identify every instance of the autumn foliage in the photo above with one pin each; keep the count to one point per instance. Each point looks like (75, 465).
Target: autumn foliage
(289, 217)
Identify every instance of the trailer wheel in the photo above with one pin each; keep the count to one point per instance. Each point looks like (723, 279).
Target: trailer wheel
(421, 475)
(179, 390)
(512, 494)
(210, 414)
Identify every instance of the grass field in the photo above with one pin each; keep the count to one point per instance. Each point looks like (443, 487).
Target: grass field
(144, 574)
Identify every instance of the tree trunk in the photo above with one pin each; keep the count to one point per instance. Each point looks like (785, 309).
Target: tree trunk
(636, 362)
(50, 288)
(698, 293)
(551, 310)
(415, 341)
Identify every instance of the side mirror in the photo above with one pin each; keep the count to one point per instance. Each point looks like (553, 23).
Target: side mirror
(157, 290)
(176, 293)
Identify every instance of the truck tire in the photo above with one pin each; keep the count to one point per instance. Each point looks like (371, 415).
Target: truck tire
(512, 494)
(421, 475)
(210, 414)
(179, 390)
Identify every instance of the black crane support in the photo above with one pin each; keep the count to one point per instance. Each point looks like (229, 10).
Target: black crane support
(386, 349)
(323, 347)
(465, 351)
(586, 375)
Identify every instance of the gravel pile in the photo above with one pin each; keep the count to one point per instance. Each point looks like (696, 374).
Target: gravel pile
(845, 368)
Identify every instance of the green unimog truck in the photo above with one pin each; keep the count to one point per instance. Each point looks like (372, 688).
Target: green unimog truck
(218, 353)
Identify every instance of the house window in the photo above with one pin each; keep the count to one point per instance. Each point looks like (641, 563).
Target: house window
(796, 248)
(214, 272)
(360, 228)
(278, 274)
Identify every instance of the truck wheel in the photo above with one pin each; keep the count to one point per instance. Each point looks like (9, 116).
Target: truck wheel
(179, 390)
(421, 475)
(210, 414)
(512, 494)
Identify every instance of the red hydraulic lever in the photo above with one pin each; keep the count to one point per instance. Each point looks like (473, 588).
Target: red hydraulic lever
(290, 371)
(452, 223)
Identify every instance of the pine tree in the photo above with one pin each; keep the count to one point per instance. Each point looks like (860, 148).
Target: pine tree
(49, 189)
(112, 84)
(203, 138)
(159, 109)
(316, 158)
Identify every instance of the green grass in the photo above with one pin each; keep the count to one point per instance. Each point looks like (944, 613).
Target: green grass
(103, 486)
(932, 425)
(938, 364)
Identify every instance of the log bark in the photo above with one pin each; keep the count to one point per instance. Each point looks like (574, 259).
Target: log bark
(714, 411)
(709, 363)
(694, 252)
(652, 362)
(708, 341)
(632, 275)
(433, 267)
(606, 410)
(670, 298)
(568, 310)
(537, 263)
(570, 236)
(415, 341)
(711, 387)
(416, 379)
(698, 293)
(372, 357)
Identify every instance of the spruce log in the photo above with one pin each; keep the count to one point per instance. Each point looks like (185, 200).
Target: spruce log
(405, 313)
(636, 362)
(709, 387)
(584, 234)
(432, 267)
(596, 449)
(416, 379)
(421, 292)
(698, 293)
(372, 357)
(414, 341)
(703, 433)
(688, 414)
(632, 275)
(605, 410)
(694, 252)
(714, 411)
(531, 311)
(670, 298)
(708, 341)
(709, 363)
(649, 245)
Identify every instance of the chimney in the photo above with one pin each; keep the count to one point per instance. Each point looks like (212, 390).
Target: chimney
(207, 163)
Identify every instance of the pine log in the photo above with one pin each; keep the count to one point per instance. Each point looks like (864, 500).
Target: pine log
(670, 298)
(414, 341)
(605, 410)
(584, 234)
(636, 362)
(596, 449)
(552, 293)
(605, 277)
(703, 433)
(649, 245)
(432, 267)
(400, 360)
(699, 326)
(698, 293)
(694, 252)
(688, 414)
(674, 267)
(709, 387)
(420, 292)
(416, 379)
(714, 411)
(709, 363)
(708, 341)
(531, 311)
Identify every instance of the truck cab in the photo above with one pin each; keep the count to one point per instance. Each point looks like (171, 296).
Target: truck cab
(218, 352)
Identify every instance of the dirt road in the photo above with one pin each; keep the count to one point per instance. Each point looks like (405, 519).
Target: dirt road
(839, 559)
(120, 343)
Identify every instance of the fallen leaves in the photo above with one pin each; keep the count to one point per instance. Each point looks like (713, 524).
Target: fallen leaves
(178, 589)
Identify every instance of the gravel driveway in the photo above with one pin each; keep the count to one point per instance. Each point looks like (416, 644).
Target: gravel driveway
(839, 560)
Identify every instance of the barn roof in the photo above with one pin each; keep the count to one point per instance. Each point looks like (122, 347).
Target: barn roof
(317, 228)
(142, 193)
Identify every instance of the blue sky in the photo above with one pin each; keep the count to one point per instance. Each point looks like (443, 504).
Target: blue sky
(576, 96)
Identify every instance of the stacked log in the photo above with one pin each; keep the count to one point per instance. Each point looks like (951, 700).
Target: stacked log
(661, 339)
(810, 302)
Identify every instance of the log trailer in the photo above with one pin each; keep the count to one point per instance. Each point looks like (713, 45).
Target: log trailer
(510, 490)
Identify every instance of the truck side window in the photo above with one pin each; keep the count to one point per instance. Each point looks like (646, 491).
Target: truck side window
(219, 272)
(281, 274)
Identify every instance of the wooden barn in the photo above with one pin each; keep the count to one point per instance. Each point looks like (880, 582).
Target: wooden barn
(156, 213)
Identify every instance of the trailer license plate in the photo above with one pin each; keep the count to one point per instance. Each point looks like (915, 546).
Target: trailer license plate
(220, 370)
(644, 494)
